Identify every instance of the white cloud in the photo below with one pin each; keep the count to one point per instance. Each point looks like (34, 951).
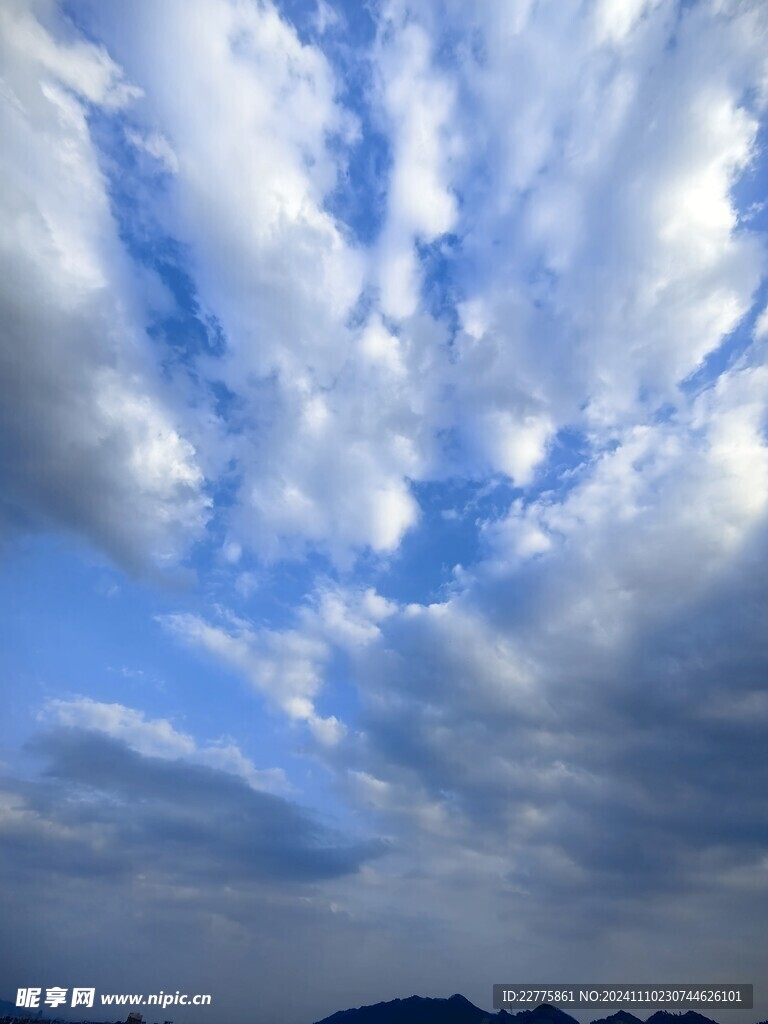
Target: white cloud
(288, 666)
(284, 666)
(616, 19)
(323, 435)
(602, 233)
(601, 253)
(91, 441)
(86, 69)
(418, 103)
(761, 325)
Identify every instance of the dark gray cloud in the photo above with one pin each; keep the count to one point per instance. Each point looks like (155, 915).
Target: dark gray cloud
(101, 808)
(605, 771)
(137, 873)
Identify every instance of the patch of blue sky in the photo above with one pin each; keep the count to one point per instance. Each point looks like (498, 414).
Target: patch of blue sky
(730, 350)
(268, 593)
(265, 592)
(665, 413)
(445, 536)
(341, 695)
(452, 513)
(138, 187)
(349, 20)
(77, 13)
(359, 200)
(569, 450)
(345, 33)
(441, 280)
(76, 627)
(135, 192)
(188, 330)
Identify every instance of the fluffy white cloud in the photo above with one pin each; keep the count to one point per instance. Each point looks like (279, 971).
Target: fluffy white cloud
(605, 252)
(85, 68)
(601, 253)
(418, 105)
(323, 427)
(91, 442)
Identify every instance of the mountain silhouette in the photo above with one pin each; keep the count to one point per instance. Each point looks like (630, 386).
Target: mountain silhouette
(544, 1013)
(456, 1010)
(666, 1017)
(415, 1010)
(620, 1017)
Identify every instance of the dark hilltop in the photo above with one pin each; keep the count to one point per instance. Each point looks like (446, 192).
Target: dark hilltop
(459, 1010)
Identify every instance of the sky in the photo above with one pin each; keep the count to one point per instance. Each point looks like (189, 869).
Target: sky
(384, 505)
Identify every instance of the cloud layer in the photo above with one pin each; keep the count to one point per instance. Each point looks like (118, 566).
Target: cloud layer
(312, 307)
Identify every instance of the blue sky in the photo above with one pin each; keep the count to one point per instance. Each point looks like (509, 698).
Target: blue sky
(385, 491)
